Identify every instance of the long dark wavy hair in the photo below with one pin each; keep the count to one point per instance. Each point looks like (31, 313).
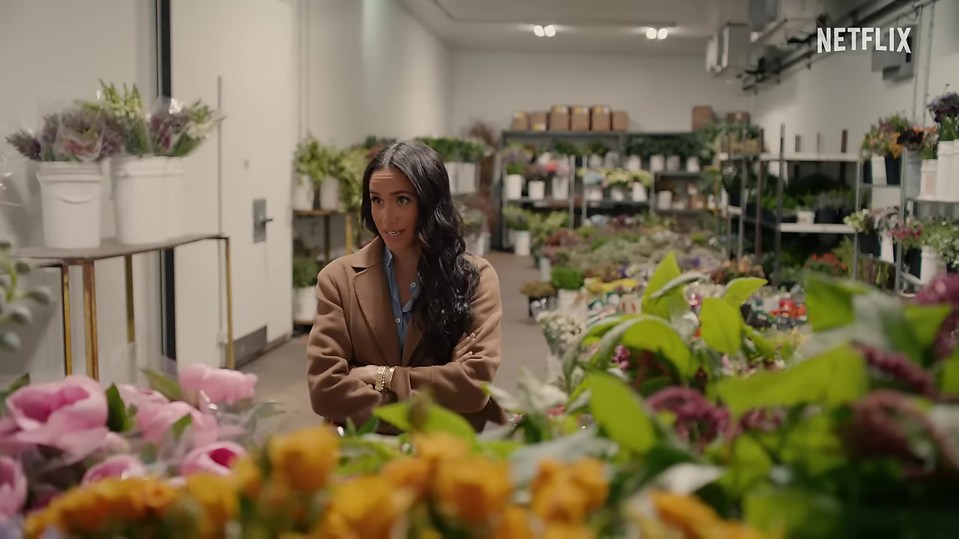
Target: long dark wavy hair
(449, 279)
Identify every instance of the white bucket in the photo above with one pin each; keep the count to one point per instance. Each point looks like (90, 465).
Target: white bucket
(466, 178)
(692, 164)
(176, 199)
(452, 170)
(657, 163)
(639, 192)
(302, 194)
(70, 204)
(930, 266)
(878, 166)
(537, 189)
(521, 242)
(330, 194)
(566, 299)
(928, 190)
(560, 188)
(513, 186)
(139, 183)
(304, 304)
(805, 217)
(618, 194)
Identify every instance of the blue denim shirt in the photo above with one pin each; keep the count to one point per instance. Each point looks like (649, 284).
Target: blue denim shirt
(402, 314)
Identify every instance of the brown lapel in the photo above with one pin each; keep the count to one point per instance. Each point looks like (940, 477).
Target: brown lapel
(413, 337)
(373, 296)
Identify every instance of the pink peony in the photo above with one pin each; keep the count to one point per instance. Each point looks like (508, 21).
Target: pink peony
(216, 459)
(216, 385)
(140, 397)
(156, 422)
(115, 466)
(13, 488)
(70, 415)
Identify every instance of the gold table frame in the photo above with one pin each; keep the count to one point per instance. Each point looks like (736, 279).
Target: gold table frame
(86, 259)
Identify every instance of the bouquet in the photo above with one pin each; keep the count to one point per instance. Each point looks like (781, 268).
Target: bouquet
(78, 134)
(177, 130)
(945, 112)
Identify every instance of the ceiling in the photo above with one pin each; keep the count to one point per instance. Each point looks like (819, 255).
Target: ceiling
(582, 26)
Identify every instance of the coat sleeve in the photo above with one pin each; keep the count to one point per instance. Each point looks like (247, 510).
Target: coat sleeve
(335, 394)
(459, 384)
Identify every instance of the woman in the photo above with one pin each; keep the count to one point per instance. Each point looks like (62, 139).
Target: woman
(411, 311)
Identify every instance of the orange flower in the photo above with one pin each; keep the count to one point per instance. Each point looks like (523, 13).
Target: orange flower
(409, 473)
(515, 523)
(368, 507)
(566, 493)
(304, 459)
(472, 489)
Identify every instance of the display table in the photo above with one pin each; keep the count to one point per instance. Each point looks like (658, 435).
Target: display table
(86, 258)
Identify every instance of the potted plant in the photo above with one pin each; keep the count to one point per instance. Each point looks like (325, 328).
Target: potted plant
(940, 248)
(536, 175)
(319, 165)
(908, 233)
(568, 282)
(945, 112)
(70, 151)
(617, 181)
(305, 271)
(539, 294)
(514, 158)
(517, 222)
(864, 226)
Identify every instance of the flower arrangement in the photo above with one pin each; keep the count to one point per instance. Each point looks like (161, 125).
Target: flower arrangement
(538, 289)
(127, 113)
(860, 221)
(177, 130)
(942, 236)
(315, 161)
(61, 434)
(908, 232)
(562, 329)
(945, 112)
(77, 134)
(883, 139)
(916, 138)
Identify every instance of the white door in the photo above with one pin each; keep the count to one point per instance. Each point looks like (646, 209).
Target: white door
(240, 56)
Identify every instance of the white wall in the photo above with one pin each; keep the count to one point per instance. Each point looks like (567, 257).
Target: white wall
(657, 92)
(841, 92)
(372, 70)
(242, 57)
(51, 53)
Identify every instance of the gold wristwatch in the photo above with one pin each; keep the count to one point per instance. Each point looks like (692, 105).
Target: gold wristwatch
(384, 379)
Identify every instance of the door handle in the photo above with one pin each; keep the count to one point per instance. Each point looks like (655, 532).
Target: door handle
(265, 220)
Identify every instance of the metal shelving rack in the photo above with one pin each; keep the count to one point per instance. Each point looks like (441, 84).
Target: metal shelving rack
(577, 199)
(783, 158)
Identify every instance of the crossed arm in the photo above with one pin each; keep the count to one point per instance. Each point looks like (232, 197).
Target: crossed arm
(339, 395)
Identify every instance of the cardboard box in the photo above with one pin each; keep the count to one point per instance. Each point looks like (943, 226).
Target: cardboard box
(602, 119)
(703, 117)
(520, 121)
(579, 119)
(620, 120)
(537, 121)
(559, 118)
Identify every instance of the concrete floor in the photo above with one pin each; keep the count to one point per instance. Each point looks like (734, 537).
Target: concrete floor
(282, 372)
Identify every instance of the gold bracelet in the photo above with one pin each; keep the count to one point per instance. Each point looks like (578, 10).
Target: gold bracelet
(380, 379)
(388, 384)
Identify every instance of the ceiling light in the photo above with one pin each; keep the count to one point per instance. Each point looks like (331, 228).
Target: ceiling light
(538, 30)
(661, 33)
(650, 33)
(550, 30)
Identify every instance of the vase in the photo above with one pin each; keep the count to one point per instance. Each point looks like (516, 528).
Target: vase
(877, 166)
(893, 170)
(639, 192)
(521, 242)
(514, 186)
(928, 174)
(657, 163)
(869, 244)
(330, 194)
(912, 181)
(618, 194)
(560, 188)
(887, 250)
(536, 189)
(70, 203)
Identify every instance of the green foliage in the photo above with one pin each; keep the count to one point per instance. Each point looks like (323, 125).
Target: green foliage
(566, 278)
(305, 271)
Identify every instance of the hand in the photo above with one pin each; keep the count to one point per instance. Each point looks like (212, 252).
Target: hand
(366, 373)
(464, 350)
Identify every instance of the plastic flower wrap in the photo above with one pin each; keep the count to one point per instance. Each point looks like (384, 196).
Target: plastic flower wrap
(77, 133)
(127, 114)
(177, 130)
(561, 329)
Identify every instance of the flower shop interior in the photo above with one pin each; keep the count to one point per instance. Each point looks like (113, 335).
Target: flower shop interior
(724, 232)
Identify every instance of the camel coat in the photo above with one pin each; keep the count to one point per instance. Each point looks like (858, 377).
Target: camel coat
(354, 326)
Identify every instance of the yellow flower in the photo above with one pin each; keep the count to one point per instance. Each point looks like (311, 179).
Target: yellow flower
(217, 497)
(304, 459)
(410, 473)
(364, 508)
(567, 531)
(515, 523)
(439, 446)
(247, 476)
(472, 489)
(685, 513)
(565, 493)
